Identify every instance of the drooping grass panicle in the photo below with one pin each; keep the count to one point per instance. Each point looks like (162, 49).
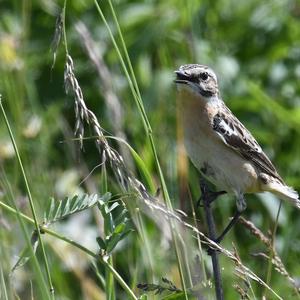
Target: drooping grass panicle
(275, 259)
(105, 83)
(84, 115)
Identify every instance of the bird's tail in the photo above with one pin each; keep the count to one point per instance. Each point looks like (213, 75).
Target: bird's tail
(284, 192)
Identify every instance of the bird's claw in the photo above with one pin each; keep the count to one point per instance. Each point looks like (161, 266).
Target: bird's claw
(211, 250)
(211, 197)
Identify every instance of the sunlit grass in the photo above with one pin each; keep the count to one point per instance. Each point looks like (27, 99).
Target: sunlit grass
(141, 44)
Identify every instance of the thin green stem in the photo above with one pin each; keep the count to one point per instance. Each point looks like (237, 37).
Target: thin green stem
(64, 26)
(14, 211)
(119, 279)
(145, 241)
(198, 240)
(29, 197)
(149, 133)
(109, 278)
(2, 280)
(139, 103)
(137, 97)
(103, 259)
(135, 91)
(185, 258)
(122, 64)
(9, 194)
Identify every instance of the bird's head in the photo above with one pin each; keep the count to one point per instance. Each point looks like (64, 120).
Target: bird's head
(199, 80)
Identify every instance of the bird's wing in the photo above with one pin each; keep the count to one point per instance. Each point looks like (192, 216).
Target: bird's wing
(234, 134)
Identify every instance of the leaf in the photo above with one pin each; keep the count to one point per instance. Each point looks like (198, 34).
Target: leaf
(109, 221)
(26, 253)
(101, 242)
(115, 229)
(115, 238)
(104, 200)
(112, 207)
(178, 296)
(119, 233)
(120, 228)
(167, 287)
(58, 210)
(122, 217)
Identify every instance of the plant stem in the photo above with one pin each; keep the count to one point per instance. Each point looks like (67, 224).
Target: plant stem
(103, 259)
(137, 97)
(64, 26)
(202, 271)
(212, 235)
(51, 289)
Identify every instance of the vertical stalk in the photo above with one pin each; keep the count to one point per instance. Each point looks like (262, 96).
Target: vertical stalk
(64, 27)
(212, 235)
(137, 97)
(51, 289)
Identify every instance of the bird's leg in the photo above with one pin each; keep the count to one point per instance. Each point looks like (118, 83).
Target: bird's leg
(229, 226)
(207, 196)
(212, 196)
(241, 206)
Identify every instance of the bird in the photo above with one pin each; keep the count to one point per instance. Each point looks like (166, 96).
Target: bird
(219, 145)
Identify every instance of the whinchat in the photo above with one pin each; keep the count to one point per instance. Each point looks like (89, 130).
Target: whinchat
(219, 145)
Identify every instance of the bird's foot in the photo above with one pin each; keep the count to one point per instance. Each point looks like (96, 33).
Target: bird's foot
(208, 197)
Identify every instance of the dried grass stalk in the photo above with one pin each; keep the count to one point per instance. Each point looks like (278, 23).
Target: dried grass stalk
(276, 260)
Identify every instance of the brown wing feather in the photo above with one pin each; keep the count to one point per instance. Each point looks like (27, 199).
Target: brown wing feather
(236, 136)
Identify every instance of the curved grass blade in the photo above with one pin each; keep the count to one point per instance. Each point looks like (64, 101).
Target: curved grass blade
(26, 253)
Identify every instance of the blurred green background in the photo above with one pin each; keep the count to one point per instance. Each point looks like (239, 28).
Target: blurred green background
(254, 47)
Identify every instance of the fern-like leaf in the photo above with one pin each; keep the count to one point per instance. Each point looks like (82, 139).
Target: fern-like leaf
(58, 210)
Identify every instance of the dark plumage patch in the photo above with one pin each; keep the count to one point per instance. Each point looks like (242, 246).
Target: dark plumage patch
(207, 170)
(216, 124)
(236, 136)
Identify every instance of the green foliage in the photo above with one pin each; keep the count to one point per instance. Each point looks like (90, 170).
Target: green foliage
(116, 228)
(254, 48)
(58, 210)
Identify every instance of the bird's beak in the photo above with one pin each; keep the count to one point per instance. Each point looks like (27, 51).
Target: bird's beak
(181, 77)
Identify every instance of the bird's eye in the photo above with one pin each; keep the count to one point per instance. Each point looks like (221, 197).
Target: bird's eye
(203, 76)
